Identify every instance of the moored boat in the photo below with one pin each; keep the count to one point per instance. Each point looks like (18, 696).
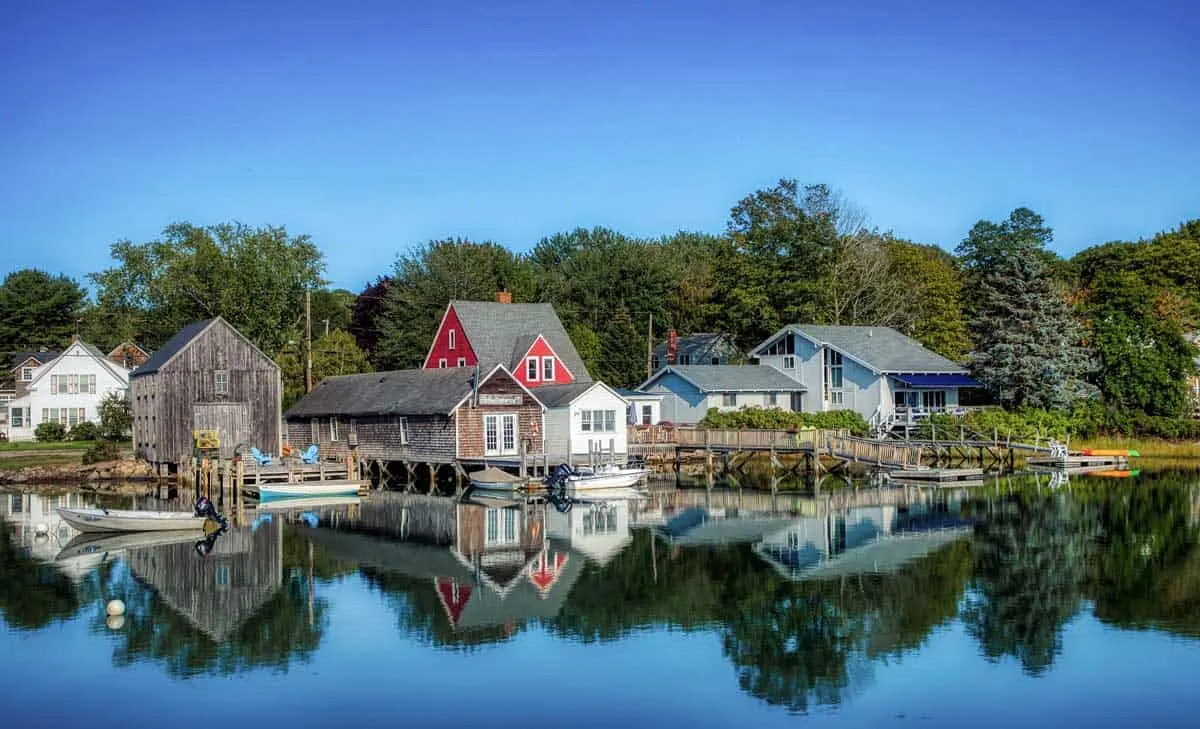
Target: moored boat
(493, 479)
(586, 478)
(308, 488)
(116, 520)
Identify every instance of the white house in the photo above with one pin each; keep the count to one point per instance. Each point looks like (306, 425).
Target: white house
(877, 372)
(688, 391)
(68, 389)
(584, 418)
(645, 408)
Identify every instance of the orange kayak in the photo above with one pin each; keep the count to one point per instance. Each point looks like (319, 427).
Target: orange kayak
(1108, 452)
(1115, 474)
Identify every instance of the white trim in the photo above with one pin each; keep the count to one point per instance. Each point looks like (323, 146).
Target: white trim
(670, 369)
(433, 343)
(442, 364)
(451, 338)
(559, 360)
(536, 361)
(487, 377)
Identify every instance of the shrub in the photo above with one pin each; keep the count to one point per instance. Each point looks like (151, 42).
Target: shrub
(116, 417)
(86, 430)
(101, 450)
(1084, 420)
(777, 419)
(50, 432)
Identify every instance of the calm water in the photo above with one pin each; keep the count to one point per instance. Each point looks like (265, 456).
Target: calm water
(1022, 603)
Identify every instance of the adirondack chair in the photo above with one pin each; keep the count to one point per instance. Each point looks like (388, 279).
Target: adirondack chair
(262, 459)
(310, 454)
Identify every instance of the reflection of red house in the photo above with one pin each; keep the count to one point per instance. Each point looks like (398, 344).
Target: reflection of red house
(454, 597)
(528, 339)
(545, 570)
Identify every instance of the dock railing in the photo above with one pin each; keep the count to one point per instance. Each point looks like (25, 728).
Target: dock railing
(683, 436)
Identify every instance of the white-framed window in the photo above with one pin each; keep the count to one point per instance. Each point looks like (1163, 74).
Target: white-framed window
(789, 362)
(462, 361)
(27, 373)
(316, 430)
(729, 399)
(531, 369)
(547, 369)
(450, 339)
(500, 434)
(403, 423)
(221, 382)
(837, 397)
(772, 399)
(442, 363)
(333, 430)
(598, 421)
(500, 527)
(18, 417)
(647, 414)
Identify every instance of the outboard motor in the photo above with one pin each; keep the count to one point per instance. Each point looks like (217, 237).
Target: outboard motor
(558, 477)
(204, 507)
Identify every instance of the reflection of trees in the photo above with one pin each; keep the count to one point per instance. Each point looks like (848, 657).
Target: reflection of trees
(282, 631)
(1147, 568)
(32, 594)
(793, 644)
(1030, 558)
(420, 615)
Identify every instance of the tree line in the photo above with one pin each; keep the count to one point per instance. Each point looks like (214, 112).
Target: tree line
(1109, 324)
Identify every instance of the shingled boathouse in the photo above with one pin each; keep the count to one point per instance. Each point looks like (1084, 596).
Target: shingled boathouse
(412, 423)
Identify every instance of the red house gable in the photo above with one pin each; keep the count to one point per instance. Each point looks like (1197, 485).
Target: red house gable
(541, 366)
(450, 345)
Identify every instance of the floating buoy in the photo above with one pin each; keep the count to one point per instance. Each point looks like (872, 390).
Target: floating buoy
(115, 622)
(41, 530)
(116, 608)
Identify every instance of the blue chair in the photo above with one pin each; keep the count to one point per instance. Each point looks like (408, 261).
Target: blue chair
(262, 459)
(310, 454)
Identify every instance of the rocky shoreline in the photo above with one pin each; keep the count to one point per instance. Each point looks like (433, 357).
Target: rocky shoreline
(94, 476)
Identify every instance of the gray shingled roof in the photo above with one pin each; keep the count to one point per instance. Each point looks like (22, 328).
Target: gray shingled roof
(882, 348)
(176, 343)
(695, 344)
(732, 378)
(501, 334)
(399, 392)
(41, 357)
(557, 396)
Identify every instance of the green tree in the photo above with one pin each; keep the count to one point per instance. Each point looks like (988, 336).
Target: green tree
(1026, 343)
(116, 417)
(780, 247)
(255, 278)
(426, 279)
(331, 309)
(938, 320)
(333, 354)
(1143, 357)
(364, 316)
(38, 311)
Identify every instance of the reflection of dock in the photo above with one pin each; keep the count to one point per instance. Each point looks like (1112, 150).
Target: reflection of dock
(937, 475)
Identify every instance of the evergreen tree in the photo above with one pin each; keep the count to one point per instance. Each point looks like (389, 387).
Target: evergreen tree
(1026, 343)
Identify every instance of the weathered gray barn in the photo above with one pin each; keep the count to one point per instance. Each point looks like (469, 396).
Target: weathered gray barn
(208, 376)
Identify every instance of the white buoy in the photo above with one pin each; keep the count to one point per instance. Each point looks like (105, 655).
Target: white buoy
(115, 622)
(116, 607)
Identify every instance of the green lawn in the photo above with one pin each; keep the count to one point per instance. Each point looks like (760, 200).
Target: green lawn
(32, 445)
(41, 460)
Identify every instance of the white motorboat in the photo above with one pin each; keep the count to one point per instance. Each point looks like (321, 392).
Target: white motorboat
(308, 488)
(116, 520)
(310, 502)
(587, 478)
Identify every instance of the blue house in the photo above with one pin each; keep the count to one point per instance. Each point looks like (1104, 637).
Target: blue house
(688, 391)
(888, 378)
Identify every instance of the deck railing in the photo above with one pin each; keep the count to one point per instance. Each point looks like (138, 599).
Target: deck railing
(693, 437)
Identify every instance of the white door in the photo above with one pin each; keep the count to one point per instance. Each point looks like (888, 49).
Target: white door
(499, 435)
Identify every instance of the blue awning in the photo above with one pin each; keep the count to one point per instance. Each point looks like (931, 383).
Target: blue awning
(937, 381)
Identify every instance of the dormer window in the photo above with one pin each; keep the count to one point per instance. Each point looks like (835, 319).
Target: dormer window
(451, 339)
(462, 361)
(531, 369)
(442, 363)
(547, 369)
(27, 373)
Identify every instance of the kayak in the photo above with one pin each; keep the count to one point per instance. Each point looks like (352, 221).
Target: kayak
(1109, 452)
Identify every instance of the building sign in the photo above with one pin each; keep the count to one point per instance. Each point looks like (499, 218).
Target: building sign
(206, 439)
(490, 399)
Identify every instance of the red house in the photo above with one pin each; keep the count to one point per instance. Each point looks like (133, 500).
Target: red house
(528, 339)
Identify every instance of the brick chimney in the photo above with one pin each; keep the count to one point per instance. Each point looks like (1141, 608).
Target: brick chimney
(503, 297)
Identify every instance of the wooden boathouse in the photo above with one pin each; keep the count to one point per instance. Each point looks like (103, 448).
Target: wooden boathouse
(408, 422)
(208, 376)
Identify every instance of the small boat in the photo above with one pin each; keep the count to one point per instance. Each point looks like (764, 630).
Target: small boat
(116, 520)
(586, 478)
(493, 479)
(309, 502)
(307, 488)
(1109, 452)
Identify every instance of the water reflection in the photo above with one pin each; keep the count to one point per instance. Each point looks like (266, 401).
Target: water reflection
(807, 594)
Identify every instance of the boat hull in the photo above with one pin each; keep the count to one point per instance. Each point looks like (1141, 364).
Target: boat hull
(114, 520)
(619, 479)
(292, 490)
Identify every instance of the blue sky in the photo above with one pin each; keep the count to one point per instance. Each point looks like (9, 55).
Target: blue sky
(376, 126)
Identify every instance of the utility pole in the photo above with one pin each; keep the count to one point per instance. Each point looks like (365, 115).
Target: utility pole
(327, 327)
(650, 347)
(307, 341)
